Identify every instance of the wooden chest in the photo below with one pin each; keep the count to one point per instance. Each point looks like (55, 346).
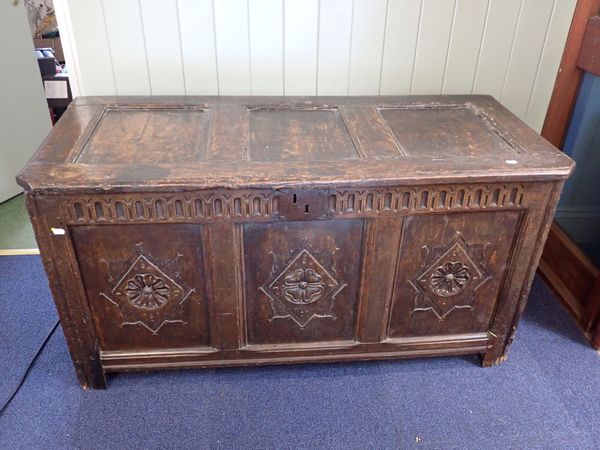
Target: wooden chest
(197, 232)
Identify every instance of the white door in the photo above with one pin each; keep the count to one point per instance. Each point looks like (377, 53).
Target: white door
(24, 117)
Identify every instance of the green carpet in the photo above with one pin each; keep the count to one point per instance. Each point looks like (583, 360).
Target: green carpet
(15, 228)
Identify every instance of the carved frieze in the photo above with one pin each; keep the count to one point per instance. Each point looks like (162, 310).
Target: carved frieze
(262, 205)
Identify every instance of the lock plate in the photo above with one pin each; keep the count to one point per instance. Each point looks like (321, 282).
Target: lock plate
(304, 204)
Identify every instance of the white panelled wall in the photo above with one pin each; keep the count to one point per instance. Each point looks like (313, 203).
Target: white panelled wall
(510, 49)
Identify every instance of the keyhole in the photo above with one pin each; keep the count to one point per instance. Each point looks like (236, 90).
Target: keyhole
(305, 209)
(295, 199)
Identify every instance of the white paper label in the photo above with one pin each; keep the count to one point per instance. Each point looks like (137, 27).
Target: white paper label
(56, 89)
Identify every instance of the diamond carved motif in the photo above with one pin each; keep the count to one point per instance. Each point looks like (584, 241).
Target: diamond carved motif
(450, 278)
(146, 296)
(303, 290)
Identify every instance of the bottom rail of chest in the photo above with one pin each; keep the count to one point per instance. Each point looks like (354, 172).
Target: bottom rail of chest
(115, 361)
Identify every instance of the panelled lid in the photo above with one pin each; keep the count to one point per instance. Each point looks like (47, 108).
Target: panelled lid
(171, 143)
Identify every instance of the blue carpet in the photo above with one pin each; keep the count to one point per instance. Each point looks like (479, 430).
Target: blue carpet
(27, 314)
(545, 396)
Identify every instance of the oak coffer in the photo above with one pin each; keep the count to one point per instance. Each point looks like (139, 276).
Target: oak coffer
(218, 231)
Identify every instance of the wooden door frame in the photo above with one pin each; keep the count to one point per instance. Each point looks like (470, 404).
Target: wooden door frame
(566, 269)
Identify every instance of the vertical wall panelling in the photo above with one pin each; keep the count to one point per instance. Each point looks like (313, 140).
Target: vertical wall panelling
(301, 35)
(93, 52)
(125, 35)
(266, 46)
(510, 49)
(163, 47)
(368, 31)
(526, 53)
(233, 49)
(432, 46)
(549, 62)
(335, 27)
(496, 46)
(196, 27)
(64, 21)
(465, 43)
(401, 33)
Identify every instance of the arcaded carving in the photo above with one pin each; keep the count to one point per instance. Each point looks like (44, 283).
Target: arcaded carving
(378, 201)
(147, 208)
(261, 205)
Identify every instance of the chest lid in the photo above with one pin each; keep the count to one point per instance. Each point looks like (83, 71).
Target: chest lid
(170, 143)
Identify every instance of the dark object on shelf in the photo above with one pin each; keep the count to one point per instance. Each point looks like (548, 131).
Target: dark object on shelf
(58, 94)
(54, 43)
(46, 61)
(202, 232)
(56, 83)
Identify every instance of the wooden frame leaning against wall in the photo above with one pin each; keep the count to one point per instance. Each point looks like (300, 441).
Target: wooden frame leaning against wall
(567, 270)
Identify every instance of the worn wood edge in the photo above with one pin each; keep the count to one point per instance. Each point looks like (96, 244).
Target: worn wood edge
(417, 178)
(417, 343)
(75, 318)
(107, 355)
(506, 283)
(457, 339)
(550, 208)
(298, 346)
(117, 365)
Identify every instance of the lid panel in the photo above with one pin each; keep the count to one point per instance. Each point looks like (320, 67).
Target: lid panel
(440, 132)
(282, 134)
(187, 143)
(147, 136)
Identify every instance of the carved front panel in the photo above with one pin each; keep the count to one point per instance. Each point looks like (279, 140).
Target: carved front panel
(302, 280)
(450, 271)
(145, 285)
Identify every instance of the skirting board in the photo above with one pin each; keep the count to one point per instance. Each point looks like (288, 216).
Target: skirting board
(19, 251)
